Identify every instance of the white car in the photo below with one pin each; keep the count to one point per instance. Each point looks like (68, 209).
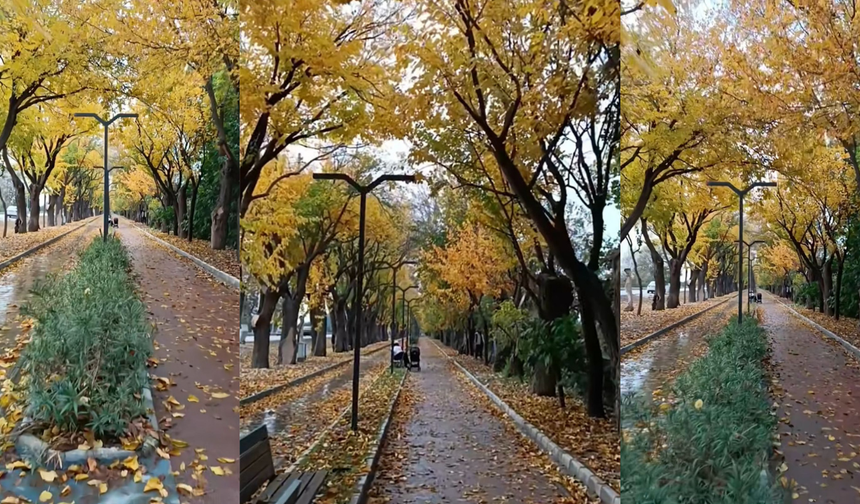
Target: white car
(652, 288)
(12, 212)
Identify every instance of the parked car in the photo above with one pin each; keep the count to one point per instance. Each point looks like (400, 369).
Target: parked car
(12, 212)
(652, 288)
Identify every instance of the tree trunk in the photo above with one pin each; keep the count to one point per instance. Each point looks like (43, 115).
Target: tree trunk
(288, 348)
(320, 343)
(181, 210)
(52, 208)
(673, 299)
(692, 287)
(659, 299)
(35, 207)
(339, 326)
(544, 380)
(827, 286)
(263, 328)
(839, 268)
(194, 191)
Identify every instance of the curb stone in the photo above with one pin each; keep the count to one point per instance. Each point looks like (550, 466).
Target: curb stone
(566, 462)
(298, 381)
(226, 278)
(12, 260)
(848, 346)
(674, 325)
(362, 486)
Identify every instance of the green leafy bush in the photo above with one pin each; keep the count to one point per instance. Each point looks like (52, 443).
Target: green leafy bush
(87, 358)
(717, 453)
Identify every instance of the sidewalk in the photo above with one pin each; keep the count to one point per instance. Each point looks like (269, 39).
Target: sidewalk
(453, 450)
(817, 386)
(197, 348)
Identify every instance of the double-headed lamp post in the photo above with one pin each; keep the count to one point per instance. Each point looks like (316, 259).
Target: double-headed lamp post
(395, 268)
(106, 168)
(749, 267)
(363, 191)
(404, 290)
(741, 194)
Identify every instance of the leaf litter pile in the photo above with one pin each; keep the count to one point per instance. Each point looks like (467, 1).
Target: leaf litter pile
(225, 260)
(593, 442)
(310, 418)
(254, 380)
(14, 244)
(343, 452)
(635, 327)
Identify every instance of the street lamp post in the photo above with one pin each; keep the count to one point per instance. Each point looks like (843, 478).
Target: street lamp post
(404, 290)
(363, 191)
(106, 169)
(395, 267)
(749, 267)
(741, 194)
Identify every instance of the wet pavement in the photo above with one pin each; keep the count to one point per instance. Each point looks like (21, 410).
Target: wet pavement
(452, 450)
(658, 362)
(16, 283)
(287, 415)
(817, 385)
(17, 280)
(198, 350)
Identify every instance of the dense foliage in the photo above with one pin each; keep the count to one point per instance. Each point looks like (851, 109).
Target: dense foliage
(87, 359)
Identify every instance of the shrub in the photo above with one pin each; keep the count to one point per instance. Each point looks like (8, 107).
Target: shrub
(717, 453)
(87, 358)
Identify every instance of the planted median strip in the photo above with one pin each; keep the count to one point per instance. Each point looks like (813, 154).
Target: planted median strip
(712, 441)
(77, 407)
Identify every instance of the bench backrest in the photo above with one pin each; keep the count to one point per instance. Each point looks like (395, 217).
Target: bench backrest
(255, 462)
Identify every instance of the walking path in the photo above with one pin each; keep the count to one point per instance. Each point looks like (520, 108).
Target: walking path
(654, 365)
(453, 450)
(817, 385)
(196, 344)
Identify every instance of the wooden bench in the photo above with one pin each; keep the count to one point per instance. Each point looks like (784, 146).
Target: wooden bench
(257, 468)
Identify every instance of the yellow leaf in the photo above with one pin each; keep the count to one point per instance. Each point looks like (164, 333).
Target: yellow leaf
(698, 404)
(220, 395)
(224, 460)
(217, 470)
(153, 484)
(193, 398)
(185, 488)
(48, 476)
(45, 496)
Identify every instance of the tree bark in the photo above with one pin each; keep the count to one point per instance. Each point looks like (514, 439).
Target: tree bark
(260, 357)
(181, 210)
(659, 300)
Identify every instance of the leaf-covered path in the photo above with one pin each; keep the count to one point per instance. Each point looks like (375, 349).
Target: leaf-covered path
(452, 450)
(197, 350)
(297, 416)
(650, 367)
(817, 386)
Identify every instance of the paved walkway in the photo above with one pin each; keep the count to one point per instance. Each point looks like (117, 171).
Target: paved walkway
(197, 347)
(818, 388)
(453, 451)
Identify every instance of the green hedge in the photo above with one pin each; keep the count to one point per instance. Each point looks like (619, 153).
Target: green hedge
(87, 358)
(718, 453)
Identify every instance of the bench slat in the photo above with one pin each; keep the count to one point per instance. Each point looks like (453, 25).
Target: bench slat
(315, 481)
(271, 492)
(290, 494)
(261, 433)
(255, 469)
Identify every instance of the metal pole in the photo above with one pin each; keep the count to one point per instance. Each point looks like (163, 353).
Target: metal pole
(358, 296)
(393, 318)
(107, 190)
(741, 259)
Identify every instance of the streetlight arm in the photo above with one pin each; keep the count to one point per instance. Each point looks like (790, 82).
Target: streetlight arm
(90, 114)
(712, 183)
(121, 116)
(390, 178)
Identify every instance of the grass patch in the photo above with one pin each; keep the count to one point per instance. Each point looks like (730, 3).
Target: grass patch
(86, 362)
(716, 453)
(343, 451)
